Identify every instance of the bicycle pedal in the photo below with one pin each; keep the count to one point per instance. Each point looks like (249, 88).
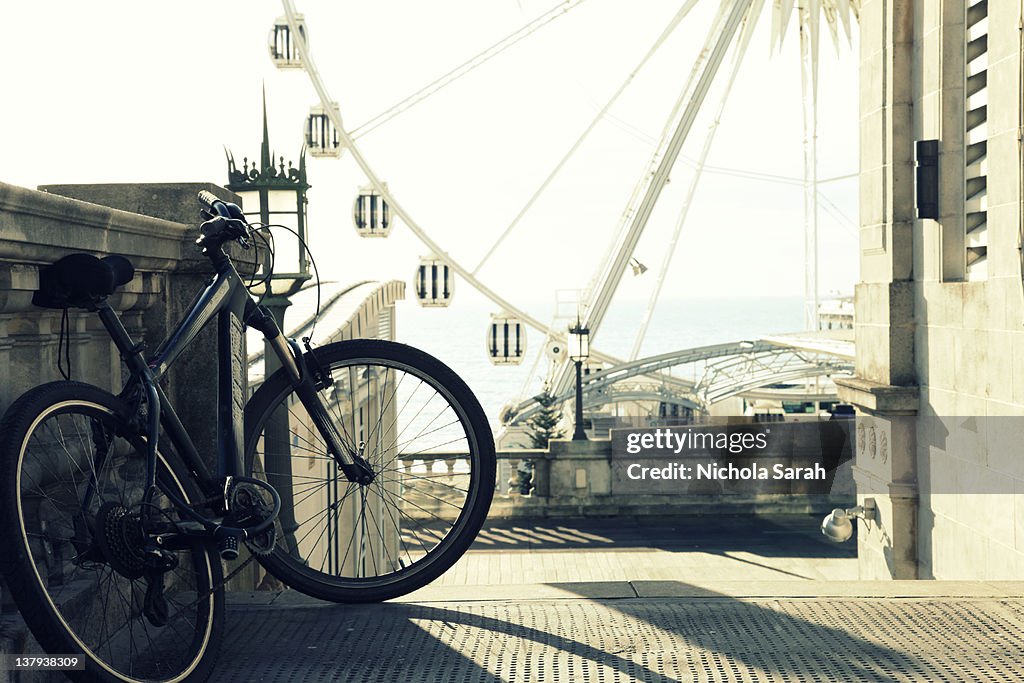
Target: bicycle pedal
(228, 548)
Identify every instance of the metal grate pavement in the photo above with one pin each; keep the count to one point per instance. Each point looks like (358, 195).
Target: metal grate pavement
(568, 641)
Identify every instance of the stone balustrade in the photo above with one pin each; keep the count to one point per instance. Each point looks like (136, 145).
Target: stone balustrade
(575, 478)
(37, 228)
(154, 225)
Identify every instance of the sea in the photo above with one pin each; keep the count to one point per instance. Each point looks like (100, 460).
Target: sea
(457, 336)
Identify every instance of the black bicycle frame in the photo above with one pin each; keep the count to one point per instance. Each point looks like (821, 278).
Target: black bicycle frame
(226, 298)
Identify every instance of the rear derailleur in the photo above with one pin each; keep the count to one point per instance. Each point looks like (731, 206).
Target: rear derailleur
(134, 554)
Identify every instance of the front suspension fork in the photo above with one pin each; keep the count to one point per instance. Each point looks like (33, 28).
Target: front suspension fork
(349, 460)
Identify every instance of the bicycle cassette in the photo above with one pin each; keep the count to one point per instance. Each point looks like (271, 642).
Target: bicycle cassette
(249, 506)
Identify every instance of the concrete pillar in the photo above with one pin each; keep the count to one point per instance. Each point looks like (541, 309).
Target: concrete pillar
(277, 433)
(885, 388)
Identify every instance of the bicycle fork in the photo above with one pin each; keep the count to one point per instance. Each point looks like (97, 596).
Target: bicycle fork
(305, 381)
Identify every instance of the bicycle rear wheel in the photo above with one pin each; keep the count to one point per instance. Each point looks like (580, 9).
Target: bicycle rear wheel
(73, 476)
(428, 442)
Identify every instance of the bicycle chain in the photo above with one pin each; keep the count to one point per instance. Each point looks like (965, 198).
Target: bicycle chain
(253, 553)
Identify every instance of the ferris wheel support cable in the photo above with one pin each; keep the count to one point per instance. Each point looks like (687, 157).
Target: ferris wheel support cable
(809, 88)
(397, 210)
(464, 68)
(600, 302)
(824, 203)
(737, 60)
(561, 374)
(673, 23)
(662, 142)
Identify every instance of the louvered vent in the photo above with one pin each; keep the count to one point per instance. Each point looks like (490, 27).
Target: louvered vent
(976, 139)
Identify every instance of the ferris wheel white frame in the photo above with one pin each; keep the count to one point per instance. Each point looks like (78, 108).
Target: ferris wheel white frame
(739, 8)
(731, 16)
(348, 143)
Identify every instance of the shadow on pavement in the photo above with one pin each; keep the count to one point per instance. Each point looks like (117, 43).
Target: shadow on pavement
(705, 634)
(796, 536)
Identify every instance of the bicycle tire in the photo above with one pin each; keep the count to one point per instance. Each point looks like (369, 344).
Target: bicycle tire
(382, 357)
(37, 598)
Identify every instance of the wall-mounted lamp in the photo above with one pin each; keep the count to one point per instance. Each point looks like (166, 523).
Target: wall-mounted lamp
(837, 525)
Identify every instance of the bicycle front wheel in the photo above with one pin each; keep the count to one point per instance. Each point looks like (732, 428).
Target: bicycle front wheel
(427, 440)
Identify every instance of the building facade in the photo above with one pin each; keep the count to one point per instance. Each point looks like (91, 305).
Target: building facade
(939, 377)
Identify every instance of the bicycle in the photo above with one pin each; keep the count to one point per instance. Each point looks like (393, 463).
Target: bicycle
(114, 528)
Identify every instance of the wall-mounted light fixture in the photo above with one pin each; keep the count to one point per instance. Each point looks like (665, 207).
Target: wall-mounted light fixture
(927, 159)
(837, 525)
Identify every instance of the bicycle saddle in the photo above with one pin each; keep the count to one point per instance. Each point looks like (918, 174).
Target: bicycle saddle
(77, 280)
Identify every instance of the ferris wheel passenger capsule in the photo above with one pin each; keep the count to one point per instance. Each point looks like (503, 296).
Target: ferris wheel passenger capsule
(322, 137)
(283, 49)
(506, 340)
(435, 283)
(371, 214)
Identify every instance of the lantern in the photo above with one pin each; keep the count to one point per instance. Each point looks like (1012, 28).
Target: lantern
(435, 283)
(371, 214)
(579, 352)
(579, 343)
(274, 195)
(283, 49)
(506, 340)
(322, 137)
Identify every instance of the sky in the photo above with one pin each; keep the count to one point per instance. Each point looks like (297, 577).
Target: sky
(153, 92)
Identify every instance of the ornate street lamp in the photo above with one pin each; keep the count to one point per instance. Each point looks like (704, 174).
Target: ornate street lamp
(579, 352)
(275, 195)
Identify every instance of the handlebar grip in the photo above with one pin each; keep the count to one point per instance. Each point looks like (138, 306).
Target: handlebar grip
(213, 204)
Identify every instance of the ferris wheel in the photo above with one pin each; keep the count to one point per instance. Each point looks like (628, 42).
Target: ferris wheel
(376, 206)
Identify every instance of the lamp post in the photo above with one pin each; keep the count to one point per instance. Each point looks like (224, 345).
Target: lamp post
(579, 351)
(275, 195)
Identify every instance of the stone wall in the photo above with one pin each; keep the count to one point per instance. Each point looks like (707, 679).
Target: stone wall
(936, 338)
(575, 478)
(155, 227)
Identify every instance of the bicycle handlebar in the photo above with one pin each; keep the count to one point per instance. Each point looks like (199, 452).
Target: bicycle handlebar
(212, 204)
(226, 222)
(219, 207)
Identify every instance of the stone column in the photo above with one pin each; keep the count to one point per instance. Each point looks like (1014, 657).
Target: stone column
(885, 388)
(277, 454)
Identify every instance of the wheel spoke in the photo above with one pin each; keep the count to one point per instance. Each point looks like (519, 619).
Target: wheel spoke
(75, 459)
(411, 511)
